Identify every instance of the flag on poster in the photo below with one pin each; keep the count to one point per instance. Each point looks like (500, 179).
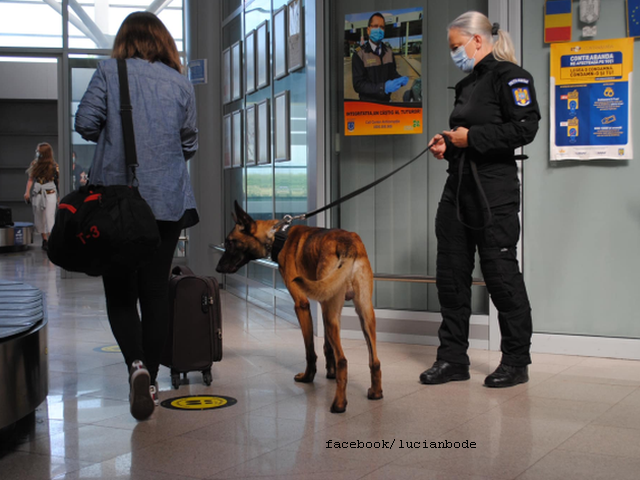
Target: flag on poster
(558, 21)
(633, 18)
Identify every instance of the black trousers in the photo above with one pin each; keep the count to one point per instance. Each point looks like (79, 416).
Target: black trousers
(142, 337)
(496, 245)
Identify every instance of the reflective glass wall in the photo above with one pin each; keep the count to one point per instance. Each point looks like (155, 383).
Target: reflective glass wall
(269, 176)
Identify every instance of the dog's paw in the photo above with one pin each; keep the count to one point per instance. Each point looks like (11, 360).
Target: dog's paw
(338, 408)
(331, 374)
(373, 395)
(306, 377)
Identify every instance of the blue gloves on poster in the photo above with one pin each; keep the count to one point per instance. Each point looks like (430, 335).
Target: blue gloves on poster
(391, 86)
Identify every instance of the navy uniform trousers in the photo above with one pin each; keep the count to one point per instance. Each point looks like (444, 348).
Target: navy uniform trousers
(496, 245)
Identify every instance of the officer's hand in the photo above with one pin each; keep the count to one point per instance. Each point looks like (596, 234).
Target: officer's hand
(391, 86)
(459, 137)
(403, 81)
(439, 146)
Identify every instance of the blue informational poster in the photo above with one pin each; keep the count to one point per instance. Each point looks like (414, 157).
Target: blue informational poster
(198, 71)
(591, 99)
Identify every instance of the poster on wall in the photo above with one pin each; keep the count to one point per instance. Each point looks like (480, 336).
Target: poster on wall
(280, 43)
(383, 72)
(295, 36)
(236, 70)
(250, 135)
(263, 132)
(590, 100)
(281, 127)
(262, 55)
(250, 61)
(226, 141)
(226, 76)
(236, 136)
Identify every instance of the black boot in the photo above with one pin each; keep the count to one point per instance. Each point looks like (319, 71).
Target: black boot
(443, 372)
(45, 245)
(507, 376)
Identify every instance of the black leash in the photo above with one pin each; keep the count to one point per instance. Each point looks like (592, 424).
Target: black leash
(287, 219)
(304, 216)
(476, 178)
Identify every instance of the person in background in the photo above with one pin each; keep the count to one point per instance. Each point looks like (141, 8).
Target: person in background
(42, 190)
(164, 117)
(495, 112)
(373, 67)
(78, 175)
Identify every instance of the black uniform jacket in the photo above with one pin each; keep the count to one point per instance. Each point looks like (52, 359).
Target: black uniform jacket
(370, 72)
(497, 103)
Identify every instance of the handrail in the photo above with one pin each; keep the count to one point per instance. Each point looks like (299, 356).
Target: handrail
(381, 277)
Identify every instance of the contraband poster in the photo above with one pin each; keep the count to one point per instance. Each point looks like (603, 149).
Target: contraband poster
(365, 113)
(590, 100)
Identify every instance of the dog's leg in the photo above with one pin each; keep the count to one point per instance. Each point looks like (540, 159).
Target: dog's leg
(363, 286)
(330, 359)
(331, 316)
(303, 312)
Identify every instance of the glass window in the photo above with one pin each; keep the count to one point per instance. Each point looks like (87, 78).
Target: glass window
(30, 23)
(94, 24)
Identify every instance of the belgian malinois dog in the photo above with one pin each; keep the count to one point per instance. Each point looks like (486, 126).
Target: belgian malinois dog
(329, 266)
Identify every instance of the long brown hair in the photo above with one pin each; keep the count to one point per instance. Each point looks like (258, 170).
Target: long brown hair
(143, 35)
(44, 166)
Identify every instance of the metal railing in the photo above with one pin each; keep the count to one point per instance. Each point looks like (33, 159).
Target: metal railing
(380, 277)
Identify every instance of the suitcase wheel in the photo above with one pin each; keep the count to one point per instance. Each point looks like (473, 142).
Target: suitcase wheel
(175, 380)
(207, 377)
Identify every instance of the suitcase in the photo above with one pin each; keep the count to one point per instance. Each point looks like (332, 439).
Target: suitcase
(6, 219)
(194, 340)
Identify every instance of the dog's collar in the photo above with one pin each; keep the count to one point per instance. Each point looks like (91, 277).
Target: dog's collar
(279, 239)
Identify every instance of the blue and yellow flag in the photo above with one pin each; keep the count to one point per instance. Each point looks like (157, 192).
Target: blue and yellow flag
(633, 18)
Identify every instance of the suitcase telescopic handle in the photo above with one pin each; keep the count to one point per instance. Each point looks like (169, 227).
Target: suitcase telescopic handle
(182, 270)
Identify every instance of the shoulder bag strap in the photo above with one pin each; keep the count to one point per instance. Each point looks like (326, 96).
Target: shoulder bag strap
(126, 113)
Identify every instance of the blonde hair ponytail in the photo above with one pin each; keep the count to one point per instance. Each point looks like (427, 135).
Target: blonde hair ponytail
(503, 48)
(475, 23)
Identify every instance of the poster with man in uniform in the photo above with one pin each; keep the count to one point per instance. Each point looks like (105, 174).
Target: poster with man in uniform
(383, 72)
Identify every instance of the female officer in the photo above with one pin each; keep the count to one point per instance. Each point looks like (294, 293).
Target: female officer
(495, 112)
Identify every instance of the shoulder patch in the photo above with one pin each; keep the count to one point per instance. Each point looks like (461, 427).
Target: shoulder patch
(516, 81)
(521, 96)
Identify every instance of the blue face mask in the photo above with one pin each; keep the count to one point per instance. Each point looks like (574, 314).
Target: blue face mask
(376, 35)
(462, 60)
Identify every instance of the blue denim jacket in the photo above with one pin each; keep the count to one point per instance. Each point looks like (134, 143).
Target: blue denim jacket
(164, 120)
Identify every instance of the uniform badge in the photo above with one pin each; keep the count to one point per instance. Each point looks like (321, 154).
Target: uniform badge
(521, 96)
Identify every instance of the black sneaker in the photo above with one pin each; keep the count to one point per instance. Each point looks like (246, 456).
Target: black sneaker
(140, 400)
(443, 372)
(45, 245)
(507, 376)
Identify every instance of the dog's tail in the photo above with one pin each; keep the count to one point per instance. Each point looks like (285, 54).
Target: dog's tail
(329, 286)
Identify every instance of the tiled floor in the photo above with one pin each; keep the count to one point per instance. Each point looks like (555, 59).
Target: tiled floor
(577, 418)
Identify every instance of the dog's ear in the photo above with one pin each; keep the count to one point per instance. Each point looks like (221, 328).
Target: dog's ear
(243, 219)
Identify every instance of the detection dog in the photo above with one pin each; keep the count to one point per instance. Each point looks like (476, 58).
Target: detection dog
(327, 265)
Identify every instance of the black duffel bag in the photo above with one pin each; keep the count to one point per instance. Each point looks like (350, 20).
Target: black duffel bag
(99, 229)
(103, 229)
